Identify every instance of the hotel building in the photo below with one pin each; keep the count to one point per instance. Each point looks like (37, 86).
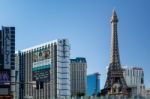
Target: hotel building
(44, 70)
(93, 84)
(7, 62)
(134, 77)
(78, 72)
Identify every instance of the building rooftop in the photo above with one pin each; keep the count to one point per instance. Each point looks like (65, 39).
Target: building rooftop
(96, 73)
(39, 45)
(133, 67)
(78, 59)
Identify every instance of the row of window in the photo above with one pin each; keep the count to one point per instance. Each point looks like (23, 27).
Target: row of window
(134, 73)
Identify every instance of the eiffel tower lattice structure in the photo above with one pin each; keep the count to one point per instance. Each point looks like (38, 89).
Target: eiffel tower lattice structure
(115, 82)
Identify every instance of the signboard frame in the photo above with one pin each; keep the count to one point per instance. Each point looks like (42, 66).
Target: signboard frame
(41, 65)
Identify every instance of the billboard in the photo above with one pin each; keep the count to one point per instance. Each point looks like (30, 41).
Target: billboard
(41, 54)
(41, 75)
(41, 65)
(7, 48)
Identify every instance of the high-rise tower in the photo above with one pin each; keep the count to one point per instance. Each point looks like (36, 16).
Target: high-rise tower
(115, 83)
(7, 62)
(78, 72)
(46, 64)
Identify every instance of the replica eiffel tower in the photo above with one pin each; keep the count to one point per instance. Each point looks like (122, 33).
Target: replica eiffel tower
(115, 82)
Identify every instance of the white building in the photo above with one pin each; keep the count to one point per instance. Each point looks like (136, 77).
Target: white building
(147, 93)
(134, 77)
(46, 64)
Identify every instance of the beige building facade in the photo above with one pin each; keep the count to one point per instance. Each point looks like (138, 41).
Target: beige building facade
(78, 73)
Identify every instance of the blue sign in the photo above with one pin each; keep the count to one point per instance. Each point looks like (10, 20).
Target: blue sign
(5, 77)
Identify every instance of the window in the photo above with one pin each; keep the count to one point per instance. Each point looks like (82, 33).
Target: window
(142, 81)
(128, 72)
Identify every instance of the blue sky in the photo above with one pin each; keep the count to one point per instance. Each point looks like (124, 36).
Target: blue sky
(86, 23)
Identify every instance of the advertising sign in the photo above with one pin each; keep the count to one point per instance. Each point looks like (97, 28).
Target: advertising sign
(41, 75)
(41, 65)
(4, 77)
(7, 48)
(41, 55)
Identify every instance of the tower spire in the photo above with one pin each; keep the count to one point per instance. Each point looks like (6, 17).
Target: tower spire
(114, 13)
(114, 57)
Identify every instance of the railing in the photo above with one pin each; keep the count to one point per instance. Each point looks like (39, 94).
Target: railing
(103, 97)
